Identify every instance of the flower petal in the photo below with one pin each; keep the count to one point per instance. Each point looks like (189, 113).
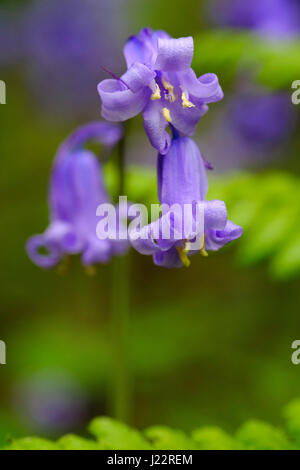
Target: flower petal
(103, 132)
(168, 259)
(140, 48)
(181, 174)
(143, 47)
(155, 126)
(216, 239)
(58, 239)
(97, 251)
(119, 103)
(88, 192)
(185, 120)
(138, 76)
(45, 261)
(143, 241)
(215, 215)
(206, 87)
(174, 54)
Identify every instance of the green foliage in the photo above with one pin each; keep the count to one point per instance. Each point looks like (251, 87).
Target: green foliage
(214, 438)
(32, 443)
(292, 416)
(72, 442)
(113, 435)
(261, 436)
(225, 52)
(267, 207)
(164, 438)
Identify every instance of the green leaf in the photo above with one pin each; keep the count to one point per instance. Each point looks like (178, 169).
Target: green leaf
(226, 52)
(292, 416)
(221, 52)
(287, 262)
(214, 438)
(113, 435)
(32, 443)
(72, 442)
(261, 436)
(164, 438)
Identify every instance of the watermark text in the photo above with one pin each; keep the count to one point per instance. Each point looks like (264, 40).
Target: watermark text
(2, 92)
(2, 353)
(296, 94)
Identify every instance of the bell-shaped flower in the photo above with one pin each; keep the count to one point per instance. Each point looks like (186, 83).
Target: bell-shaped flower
(160, 83)
(76, 191)
(188, 223)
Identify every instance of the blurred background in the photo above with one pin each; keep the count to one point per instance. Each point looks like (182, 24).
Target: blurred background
(210, 344)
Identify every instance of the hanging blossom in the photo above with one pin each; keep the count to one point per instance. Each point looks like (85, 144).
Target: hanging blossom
(160, 83)
(76, 190)
(182, 182)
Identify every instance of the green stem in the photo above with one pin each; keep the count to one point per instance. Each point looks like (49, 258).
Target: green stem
(120, 336)
(120, 393)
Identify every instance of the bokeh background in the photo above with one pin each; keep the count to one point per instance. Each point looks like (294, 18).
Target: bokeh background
(210, 344)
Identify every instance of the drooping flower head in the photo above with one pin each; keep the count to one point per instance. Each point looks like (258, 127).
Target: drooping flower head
(160, 83)
(76, 190)
(187, 219)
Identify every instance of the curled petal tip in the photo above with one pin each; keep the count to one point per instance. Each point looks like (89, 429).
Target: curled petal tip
(174, 55)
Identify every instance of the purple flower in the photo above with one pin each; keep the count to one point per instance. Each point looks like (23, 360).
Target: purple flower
(76, 190)
(272, 18)
(160, 83)
(182, 183)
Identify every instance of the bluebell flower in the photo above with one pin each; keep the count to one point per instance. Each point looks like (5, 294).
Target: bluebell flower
(160, 83)
(182, 182)
(76, 190)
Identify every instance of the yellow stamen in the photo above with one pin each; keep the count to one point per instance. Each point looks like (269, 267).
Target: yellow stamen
(185, 102)
(170, 90)
(167, 115)
(183, 254)
(203, 252)
(156, 94)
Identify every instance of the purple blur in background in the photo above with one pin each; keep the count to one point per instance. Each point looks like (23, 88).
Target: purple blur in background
(273, 18)
(68, 41)
(11, 37)
(260, 118)
(52, 402)
(63, 44)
